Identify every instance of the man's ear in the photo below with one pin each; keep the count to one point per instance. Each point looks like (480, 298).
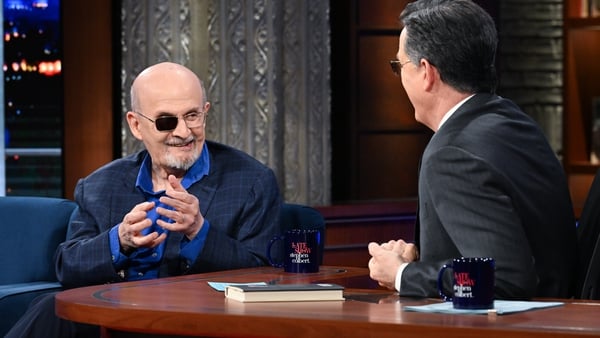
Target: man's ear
(430, 75)
(134, 124)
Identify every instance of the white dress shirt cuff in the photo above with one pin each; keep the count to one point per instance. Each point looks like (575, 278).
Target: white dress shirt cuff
(399, 276)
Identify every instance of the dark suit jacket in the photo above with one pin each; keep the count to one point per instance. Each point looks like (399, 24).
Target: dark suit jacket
(588, 234)
(239, 197)
(490, 185)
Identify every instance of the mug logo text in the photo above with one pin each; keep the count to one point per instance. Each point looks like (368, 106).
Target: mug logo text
(463, 287)
(462, 278)
(300, 248)
(301, 253)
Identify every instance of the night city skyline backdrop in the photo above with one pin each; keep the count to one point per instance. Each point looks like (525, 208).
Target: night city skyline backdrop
(33, 95)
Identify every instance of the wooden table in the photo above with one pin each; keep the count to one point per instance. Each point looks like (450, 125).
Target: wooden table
(188, 306)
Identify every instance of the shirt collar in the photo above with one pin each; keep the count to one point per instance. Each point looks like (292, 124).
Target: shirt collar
(199, 169)
(453, 110)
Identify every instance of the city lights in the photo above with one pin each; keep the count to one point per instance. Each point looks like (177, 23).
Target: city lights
(33, 94)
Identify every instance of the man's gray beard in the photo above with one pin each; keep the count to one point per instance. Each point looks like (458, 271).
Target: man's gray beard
(175, 163)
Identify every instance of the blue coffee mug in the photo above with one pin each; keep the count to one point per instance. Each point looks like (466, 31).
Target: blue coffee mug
(300, 251)
(472, 282)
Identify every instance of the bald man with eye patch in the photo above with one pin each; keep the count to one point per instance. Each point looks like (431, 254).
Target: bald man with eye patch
(183, 205)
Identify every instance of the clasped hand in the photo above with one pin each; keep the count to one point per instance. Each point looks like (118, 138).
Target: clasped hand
(185, 215)
(387, 258)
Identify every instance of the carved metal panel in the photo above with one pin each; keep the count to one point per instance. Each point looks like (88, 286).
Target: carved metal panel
(151, 31)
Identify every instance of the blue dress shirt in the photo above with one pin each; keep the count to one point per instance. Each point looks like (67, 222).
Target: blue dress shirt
(143, 263)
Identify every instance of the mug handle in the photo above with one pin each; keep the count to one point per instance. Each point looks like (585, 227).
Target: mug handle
(271, 261)
(440, 282)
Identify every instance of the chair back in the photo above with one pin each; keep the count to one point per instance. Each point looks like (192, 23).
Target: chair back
(297, 216)
(31, 227)
(588, 235)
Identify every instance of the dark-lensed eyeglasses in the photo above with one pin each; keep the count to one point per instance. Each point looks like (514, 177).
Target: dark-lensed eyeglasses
(169, 122)
(397, 66)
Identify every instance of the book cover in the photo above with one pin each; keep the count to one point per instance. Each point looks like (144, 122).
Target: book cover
(285, 292)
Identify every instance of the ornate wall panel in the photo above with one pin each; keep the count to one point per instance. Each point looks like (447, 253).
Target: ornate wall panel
(266, 68)
(151, 31)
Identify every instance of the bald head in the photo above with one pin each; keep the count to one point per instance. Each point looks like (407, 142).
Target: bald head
(165, 80)
(168, 90)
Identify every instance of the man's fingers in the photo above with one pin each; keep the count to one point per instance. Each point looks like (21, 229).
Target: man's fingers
(374, 248)
(175, 184)
(150, 240)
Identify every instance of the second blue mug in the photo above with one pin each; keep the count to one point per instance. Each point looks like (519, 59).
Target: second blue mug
(300, 251)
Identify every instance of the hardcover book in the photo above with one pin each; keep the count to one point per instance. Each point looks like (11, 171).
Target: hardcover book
(285, 292)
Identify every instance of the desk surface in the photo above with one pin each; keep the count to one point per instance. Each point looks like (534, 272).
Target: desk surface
(188, 306)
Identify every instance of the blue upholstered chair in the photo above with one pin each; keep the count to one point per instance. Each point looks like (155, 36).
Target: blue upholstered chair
(30, 230)
(297, 216)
